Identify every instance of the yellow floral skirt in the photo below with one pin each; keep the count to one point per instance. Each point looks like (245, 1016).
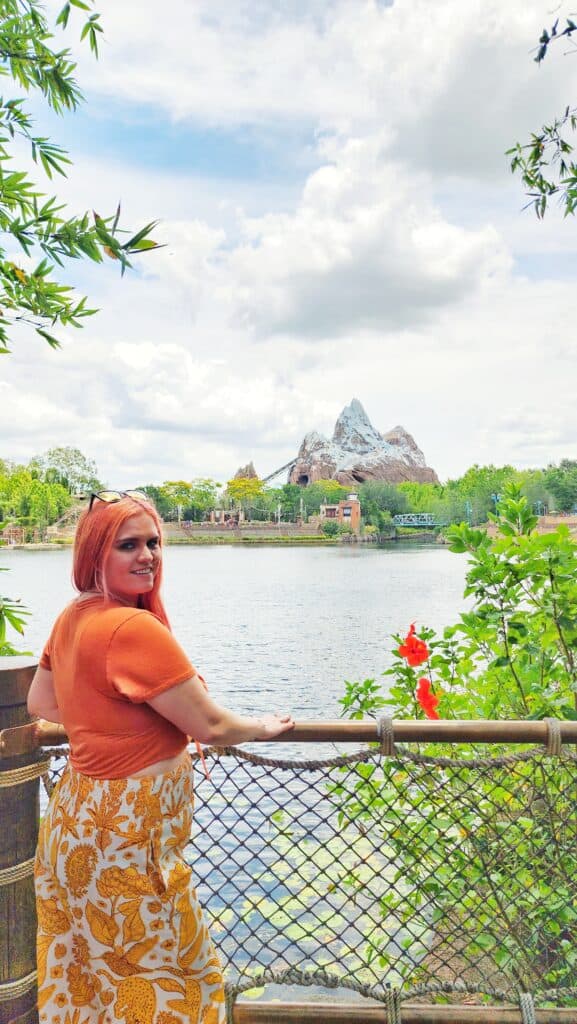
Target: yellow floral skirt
(121, 935)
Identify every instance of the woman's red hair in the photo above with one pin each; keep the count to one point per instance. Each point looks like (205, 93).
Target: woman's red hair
(95, 533)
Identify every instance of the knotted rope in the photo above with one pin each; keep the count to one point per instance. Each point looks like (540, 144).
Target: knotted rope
(340, 760)
(554, 740)
(386, 734)
(14, 989)
(28, 772)
(16, 872)
(393, 1005)
(391, 997)
(527, 1007)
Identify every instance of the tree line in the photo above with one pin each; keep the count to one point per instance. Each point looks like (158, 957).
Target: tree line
(469, 498)
(37, 494)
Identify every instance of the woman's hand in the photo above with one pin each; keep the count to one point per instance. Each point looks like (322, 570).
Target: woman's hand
(274, 725)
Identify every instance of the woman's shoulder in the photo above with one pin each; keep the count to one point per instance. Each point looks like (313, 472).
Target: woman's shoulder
(137, 621)
(124, 630)
(107, 617)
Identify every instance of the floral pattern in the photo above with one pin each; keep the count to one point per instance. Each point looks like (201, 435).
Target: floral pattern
(121, 934)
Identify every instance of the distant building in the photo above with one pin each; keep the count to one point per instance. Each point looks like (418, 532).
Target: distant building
(13, 534)
(346, 513)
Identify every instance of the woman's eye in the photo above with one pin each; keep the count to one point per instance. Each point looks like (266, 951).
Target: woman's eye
(126, 546)
(152, 544)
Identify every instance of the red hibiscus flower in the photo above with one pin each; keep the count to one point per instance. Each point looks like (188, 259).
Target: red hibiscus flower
(427, 699)
(413, 649)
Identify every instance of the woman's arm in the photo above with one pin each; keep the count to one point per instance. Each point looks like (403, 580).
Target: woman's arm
(41, 697)
(191, 709)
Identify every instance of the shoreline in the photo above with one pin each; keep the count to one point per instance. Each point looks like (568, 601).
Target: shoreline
(258, 535)
(247, 540)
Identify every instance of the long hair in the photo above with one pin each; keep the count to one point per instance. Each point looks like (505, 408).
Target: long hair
(95, 533)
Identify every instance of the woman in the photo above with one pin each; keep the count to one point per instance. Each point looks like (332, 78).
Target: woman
(121, 936)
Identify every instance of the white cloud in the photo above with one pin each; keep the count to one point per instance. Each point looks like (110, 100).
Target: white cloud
(453, 83)
(363, 249)
(388, 275)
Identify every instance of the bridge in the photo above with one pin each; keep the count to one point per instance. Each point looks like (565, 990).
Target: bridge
(418, 520)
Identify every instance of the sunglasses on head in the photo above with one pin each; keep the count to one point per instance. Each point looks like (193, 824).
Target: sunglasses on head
(110, 497)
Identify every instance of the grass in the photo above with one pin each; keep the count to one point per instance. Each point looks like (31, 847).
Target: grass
(305, 539)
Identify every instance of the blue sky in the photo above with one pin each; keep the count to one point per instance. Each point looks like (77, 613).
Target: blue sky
(339, 221)
(144, 136)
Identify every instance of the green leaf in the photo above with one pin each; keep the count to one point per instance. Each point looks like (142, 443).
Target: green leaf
(52, 341)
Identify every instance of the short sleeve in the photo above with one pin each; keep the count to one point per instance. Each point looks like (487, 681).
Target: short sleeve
(45, 661)
(144, 659)
(47, 656)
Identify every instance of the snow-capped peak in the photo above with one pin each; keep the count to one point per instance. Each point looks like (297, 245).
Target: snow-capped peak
(354, 431)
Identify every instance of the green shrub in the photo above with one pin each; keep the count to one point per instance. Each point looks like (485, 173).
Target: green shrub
(512, 654)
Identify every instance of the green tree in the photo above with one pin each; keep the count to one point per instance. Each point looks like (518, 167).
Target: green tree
(31, 221)
(179, 496)
(331, 528)
(69, 467)
(534, 487)
(185, 499)
(561, 480)
(323, 492)
(205, 497)
(27, 501)
(15, 492)
(290, 497)
(245, 490)
(160, 498)
(476, 494)
(265, 507)
(420, 497)
(377, 497)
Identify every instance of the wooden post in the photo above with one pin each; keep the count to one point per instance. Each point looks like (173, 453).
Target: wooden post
(19, 814)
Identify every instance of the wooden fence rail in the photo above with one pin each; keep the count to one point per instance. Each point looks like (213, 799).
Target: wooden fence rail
(37, 734)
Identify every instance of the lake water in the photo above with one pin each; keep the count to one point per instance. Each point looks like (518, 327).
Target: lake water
(274, 627)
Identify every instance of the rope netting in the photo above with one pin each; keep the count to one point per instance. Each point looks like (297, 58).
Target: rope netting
(453, 877)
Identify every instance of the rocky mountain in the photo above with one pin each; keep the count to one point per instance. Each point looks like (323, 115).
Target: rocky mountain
(357, 452)
(247, 472)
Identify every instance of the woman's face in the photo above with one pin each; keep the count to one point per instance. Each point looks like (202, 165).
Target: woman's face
(135, 558)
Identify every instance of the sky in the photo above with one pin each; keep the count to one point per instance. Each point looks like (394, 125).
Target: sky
(339, 220)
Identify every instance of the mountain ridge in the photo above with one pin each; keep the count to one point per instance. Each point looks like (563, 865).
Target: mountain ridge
(358, 452)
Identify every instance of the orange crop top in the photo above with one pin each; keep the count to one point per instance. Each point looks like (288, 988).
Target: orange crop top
(107, 661)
